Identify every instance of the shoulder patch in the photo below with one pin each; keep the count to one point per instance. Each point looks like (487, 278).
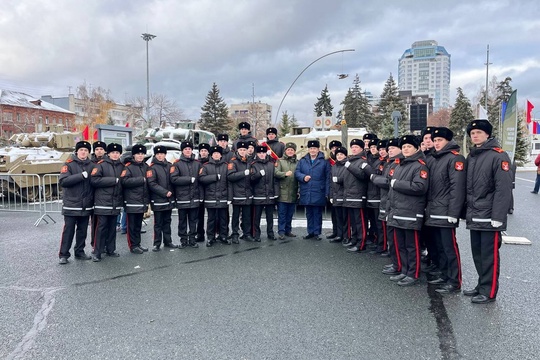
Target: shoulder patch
(149, 173)
(123, 173)
(69, 160)
(505, 166)
(497, 149)
(171, 170)
(391, 173)
(423, 174)
(396, 161)
(455, 152)
(230, 166)
(422, 162)
(128, 163)
(459, 166)
(100, 161)
(233, 158)
(381, 167)
(94, 171)
(64, 169)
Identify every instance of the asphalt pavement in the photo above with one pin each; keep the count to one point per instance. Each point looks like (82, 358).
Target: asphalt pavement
(292, 299)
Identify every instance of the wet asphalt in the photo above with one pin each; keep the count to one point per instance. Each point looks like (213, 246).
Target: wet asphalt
(292, 299)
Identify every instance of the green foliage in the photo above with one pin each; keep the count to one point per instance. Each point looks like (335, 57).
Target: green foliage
(390, 101)
(285, 125)
(214, 116)
(357, 108)
(324, 104)
(461, 115)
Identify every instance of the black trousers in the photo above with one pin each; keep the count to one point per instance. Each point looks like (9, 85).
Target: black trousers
(449, 259)
(333, 212)
(245, 212)
(373, 232)
(340, 222)
(216, 216)
(134, 226)
(357, 221)
(105, 240)
(93, 227)
(409, 250)
(70, 223)
(426, 237)
(200, 223)
(393, 246)
(485, 247)
(162, 227)
(188, 218)
(269, 213)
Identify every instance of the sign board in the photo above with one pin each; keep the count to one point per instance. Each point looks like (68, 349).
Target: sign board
(115, 134)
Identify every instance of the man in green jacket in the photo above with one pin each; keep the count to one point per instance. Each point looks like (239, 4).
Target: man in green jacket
(288, 190)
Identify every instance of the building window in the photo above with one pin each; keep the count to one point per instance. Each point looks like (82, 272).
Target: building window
(46, 120)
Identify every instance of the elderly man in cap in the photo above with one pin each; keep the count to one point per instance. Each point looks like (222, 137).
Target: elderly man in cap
(489, 189)
(275, 147)
(245, 134)
(161, 198)
(445, 200)
(288, 190)
(313, 173)
(78, 202)
(108, 200)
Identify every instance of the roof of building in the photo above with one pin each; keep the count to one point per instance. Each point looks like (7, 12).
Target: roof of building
(14, 98)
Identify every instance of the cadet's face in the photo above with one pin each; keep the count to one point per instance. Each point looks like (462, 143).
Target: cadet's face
(290, 152)
(187, 152)
(216, 156)
(356, 149)
(251, 149)
(82, 153)
(161, 156)
(99, 152)
(373, 149)
(242, 152)
(383, 152)
(340, 156)
(139, 157)
(203, 153)
(439, 143)
(428, 143)
(261, 155)
(366, 143)
(393, 151)
(408, 150)
(478, 137)
(223, 143)
(244, 131)
(114, 155)
(271, 136)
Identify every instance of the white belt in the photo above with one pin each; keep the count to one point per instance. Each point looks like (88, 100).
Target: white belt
(134, 205)
(374, 201)
(481, 220)
(70, 208)
(155, 203)
(106, 207)
(442, 217)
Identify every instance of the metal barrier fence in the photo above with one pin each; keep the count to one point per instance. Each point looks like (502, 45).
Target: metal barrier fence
(24, 193)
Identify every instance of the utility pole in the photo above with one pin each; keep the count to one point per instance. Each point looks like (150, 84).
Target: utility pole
(487, 78)
(147, 37)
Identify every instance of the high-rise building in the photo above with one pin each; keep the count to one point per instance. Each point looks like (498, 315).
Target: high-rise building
(424, 69)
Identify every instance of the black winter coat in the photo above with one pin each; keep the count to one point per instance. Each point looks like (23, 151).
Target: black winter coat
(373, 191)
(383, 182)
(337, 184)
(242, 193)
(185, 179)
(135, 188)
(447, 186)
(105, 179)
(277, 147)
(489, 186)
(159, 184)
(217, 190)
(355, 180)
(407, 197)
(246, 138)
(265, 187)
(78, 193)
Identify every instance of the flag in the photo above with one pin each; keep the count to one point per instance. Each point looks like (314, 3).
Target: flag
(482, 113)
(127, 124)
(503, 111)
(85, 133)
(95, 135)
(535, 129)
(530, 108)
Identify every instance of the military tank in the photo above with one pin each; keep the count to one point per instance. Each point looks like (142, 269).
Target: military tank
(35, 153)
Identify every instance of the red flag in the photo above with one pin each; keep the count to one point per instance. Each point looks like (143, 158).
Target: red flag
(95, 135)
(127, 124)
(535, 127)
(85, 133)
(530, 107)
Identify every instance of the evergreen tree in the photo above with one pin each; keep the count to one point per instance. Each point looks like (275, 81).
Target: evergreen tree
(461, 115)
(521, 154)
(293, 122)
(390, 102)
(357, 108)
(285, 126)
(323, 106)
(215, 116)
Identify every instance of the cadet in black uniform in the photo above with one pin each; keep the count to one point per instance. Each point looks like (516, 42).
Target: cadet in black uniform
(136, 196)
(337, 194)
(407, 202)
(445, 200)
(223, 141)
(238, 175)
(265, 192)
(375, 231)
(489, 188)
(161, 198)
(185, 178)
(426, 238)
(275, 147)
(334, 144)
(77, 202)
(217, 195)
(245, 134)
(203, 158)
(108, 202)
(99, 152)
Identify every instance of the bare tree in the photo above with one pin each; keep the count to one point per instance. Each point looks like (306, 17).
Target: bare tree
(96, 104)
(163, 110)
(440, 118)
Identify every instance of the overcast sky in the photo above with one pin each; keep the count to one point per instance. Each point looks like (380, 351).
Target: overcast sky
(48, 46)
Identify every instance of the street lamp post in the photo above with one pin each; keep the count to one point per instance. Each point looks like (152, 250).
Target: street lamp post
(147, 37)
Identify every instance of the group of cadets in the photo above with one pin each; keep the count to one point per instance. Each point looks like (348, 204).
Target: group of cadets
(394, 197)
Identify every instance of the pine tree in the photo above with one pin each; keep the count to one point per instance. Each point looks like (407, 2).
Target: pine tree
(215, 116)
(357, 108)
(390, 102)
(461, 115)
(323, 106)
(285, 126)
(293, 122)
(522, 143)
